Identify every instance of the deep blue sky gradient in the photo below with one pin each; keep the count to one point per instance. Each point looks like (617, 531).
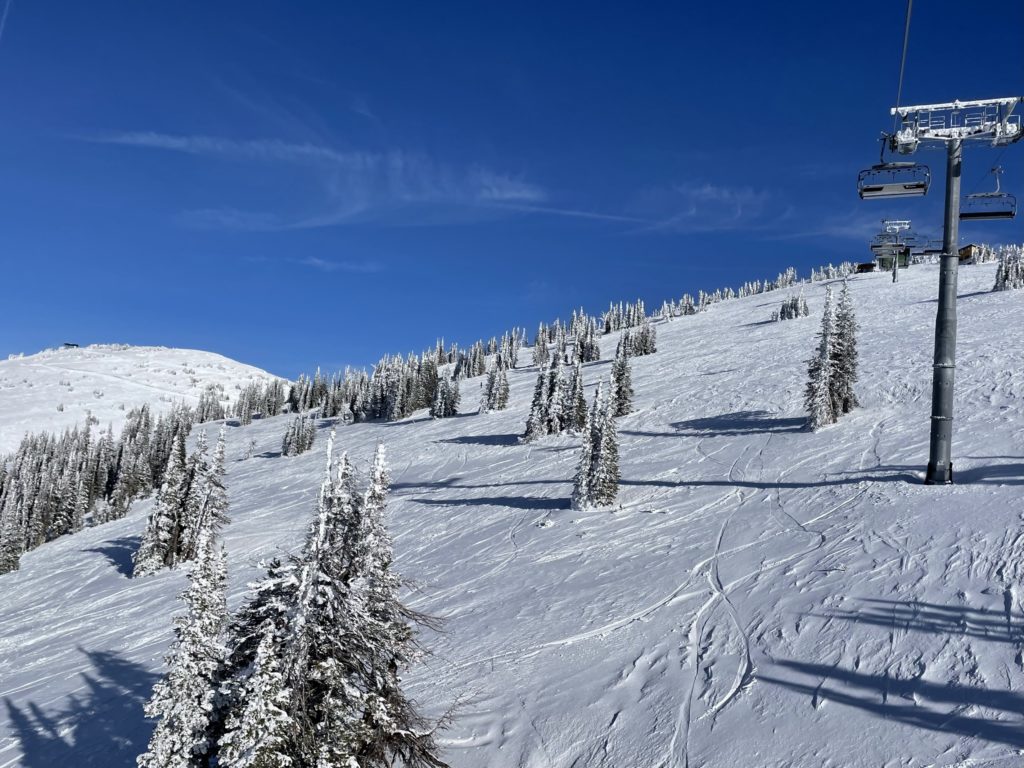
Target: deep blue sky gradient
(302, 184)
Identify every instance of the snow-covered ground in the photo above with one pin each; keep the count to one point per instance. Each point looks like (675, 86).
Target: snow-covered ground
(106, 381)
(764, 596)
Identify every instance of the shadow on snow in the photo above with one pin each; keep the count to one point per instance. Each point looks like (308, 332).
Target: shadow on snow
(728, 424)
(101, 726)
(482, 440)
(931, 618)
(946, 708)
(119, 552)
(518, 502)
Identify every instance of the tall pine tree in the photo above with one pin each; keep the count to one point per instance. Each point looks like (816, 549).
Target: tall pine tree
(184, 701)
(844, 360)
(818, 398)
(622, 381)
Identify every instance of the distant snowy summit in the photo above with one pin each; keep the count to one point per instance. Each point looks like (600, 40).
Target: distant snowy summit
(60, 388)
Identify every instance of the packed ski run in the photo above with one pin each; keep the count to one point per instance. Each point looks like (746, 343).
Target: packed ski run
(759, 594)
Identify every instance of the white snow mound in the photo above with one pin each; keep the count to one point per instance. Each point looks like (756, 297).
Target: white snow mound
(60, 388)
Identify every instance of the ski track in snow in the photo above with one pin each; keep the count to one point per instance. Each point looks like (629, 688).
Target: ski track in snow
(761, 596)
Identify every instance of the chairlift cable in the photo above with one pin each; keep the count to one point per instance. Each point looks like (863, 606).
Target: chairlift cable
(903, 64)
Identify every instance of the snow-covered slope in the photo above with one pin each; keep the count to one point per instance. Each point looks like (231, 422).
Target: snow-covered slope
(764, 596)
(106, 381)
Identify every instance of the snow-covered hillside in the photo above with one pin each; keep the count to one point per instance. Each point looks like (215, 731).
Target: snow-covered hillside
(59, 388)
(763, 596)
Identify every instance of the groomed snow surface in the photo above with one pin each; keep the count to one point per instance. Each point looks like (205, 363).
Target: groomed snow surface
(763, 596)
(106, 381)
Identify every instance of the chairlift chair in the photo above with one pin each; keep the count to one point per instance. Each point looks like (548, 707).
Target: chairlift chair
(887, 180)
(989, 206)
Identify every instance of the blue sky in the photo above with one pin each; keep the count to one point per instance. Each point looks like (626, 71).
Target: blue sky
(302, 184)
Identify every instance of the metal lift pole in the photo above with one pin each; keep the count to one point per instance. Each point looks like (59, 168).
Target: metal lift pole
(940, 467)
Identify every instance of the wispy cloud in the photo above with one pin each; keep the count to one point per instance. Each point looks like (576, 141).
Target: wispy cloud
(359, 106)
(853, 225)
(574, 213)
(354, 185)
(705, 207)
(327, 265)
(255, 149)
(3, 18)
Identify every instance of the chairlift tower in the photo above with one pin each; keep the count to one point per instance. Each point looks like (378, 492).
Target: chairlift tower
(991, 121)
(892, 245)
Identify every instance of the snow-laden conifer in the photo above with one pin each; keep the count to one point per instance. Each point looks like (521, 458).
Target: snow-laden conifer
(1010, 269)
(541, 355)
(596, 482)
(446, 399)
(582, 496)
(576, 401)
(844, 362)
(396, 729)
(256, 730)
(254, 724)
(12, 535)
(495, 392)
(537, 421)
(184, 700)
(162, 538)
(300, 436)
(818, 396)
(604, 483)
(792, 308)
(622, 381)
(556, 397)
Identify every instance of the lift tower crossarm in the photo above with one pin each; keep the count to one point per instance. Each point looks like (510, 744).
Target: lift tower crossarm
(987, 119)
(1008, 101)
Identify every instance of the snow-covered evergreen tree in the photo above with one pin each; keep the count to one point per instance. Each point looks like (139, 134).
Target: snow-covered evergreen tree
(541, 356)
(183, 702)
(162, 538)
(588, 349)
(313, 671)
(622, 381)
(537, 421)
(446, 399)
(396, 729)
(582, 495)
(818, 396)
(844, 362)
(644, 341)
(576, 401)
(556, 397)
(495, 391)
(191, 500)
(254, 723)
(300, 436)
(604, 483)
(792, 308)
(256, 733)
(596, 482)
(1010, 269)
(12, 534)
